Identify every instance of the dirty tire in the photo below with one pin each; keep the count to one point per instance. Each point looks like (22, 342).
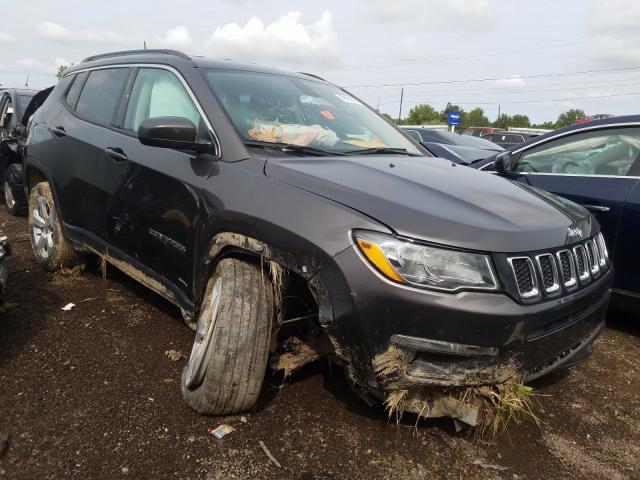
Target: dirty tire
(238, 347)
(56, 251)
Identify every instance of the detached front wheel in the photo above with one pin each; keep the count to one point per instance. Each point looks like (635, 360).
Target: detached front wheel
(229, 356)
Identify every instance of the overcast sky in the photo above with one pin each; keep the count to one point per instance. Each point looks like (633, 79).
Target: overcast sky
(439, 45)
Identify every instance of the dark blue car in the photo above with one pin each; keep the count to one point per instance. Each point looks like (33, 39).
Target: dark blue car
(595, 164)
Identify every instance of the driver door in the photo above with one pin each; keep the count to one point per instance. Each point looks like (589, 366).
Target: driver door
(596, 169)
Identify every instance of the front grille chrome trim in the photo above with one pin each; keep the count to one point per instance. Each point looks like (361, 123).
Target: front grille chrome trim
(580, 252)
(573, 275)
(555, 285)
(534, 280)
(594, 258)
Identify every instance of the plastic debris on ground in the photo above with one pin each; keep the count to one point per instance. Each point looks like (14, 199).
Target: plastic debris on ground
(68, 306)
(221, 431)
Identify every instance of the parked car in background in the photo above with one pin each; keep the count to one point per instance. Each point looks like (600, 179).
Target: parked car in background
(507, 139)
(16, 107)
(480, 131)
(457, 148)
(596, 116)
(275, 209)
(595, 164)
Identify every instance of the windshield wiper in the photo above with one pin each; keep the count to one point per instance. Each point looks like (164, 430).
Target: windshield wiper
(290, 148)
(378, 150)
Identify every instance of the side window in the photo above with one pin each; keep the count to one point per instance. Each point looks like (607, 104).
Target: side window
(6, 111)
(74, 91)
(158, 93)
(604, 152)
(101, 95)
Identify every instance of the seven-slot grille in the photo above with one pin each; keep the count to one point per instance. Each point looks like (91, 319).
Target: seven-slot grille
(564, 269)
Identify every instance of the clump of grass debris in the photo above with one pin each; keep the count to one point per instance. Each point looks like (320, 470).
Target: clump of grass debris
(488, 409)
(506, 403)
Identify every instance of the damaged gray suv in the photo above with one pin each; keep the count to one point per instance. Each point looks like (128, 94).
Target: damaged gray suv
(290, 222)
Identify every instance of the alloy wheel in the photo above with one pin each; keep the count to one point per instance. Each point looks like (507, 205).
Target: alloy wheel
(9, 201)
(42, 229)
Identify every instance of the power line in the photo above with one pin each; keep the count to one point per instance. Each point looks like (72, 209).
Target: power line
(450, 94)
(493, 79)
(593, 97)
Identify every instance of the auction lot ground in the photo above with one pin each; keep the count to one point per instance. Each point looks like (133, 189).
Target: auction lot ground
(90, 393)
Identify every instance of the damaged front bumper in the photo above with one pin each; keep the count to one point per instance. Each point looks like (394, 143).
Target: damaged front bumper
(397, 338)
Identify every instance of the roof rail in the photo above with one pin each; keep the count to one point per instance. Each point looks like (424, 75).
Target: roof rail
(136, 52)
(312, 75)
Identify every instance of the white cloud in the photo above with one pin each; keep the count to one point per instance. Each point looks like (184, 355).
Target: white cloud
(55, 32)
(178, 37)
(407, 48)
(513, 81)
(285, 42)
(461, 17)
(6, 38)
(612, 27)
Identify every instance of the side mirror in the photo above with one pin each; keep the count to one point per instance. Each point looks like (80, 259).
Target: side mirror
(171, 132)
(502, 163)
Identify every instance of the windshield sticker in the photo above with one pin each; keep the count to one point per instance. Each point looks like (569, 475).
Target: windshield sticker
(347, 99)
(327, 114)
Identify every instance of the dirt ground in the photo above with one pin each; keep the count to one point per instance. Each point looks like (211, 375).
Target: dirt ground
(90, 393)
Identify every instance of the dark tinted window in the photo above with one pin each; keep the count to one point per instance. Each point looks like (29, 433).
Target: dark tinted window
(101, 95)
(74, 91)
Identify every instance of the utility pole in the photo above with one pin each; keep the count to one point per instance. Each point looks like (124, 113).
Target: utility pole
(498, 111)
(378, 107)
(144, 42)
(401, 98)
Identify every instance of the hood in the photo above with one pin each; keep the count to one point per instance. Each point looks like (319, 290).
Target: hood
(437, 201)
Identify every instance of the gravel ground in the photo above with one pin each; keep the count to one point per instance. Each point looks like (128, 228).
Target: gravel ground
(90, 393)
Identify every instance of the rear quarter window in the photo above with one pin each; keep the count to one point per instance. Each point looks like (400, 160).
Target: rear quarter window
(74, 91)
(100, 98)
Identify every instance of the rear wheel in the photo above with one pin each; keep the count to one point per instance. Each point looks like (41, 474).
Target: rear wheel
(230, 352)
(9, 198)
(51, 249)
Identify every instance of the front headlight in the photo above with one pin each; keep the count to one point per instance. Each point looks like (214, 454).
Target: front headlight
(410, 263)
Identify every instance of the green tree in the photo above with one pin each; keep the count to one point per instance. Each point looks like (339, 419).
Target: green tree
(569, 117)
(444, 116)
(423, 115)
(519, 120)
(503, 121)
(475, 118)
(62, 69)
(546, 125)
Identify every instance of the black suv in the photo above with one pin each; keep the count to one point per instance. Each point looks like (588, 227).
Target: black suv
(288, 220)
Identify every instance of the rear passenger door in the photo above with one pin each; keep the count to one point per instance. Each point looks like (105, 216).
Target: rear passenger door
(82, 144)
(154, 216)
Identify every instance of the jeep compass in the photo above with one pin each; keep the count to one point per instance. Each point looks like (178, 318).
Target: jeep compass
(289, 222)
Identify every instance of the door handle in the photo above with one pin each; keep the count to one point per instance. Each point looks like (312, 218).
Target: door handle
(597, 208)
(116, 154)
(58, 131)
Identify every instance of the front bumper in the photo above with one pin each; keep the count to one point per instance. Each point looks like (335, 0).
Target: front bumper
(479, 337)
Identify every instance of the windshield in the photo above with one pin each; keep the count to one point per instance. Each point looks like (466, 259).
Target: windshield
(281, 109)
